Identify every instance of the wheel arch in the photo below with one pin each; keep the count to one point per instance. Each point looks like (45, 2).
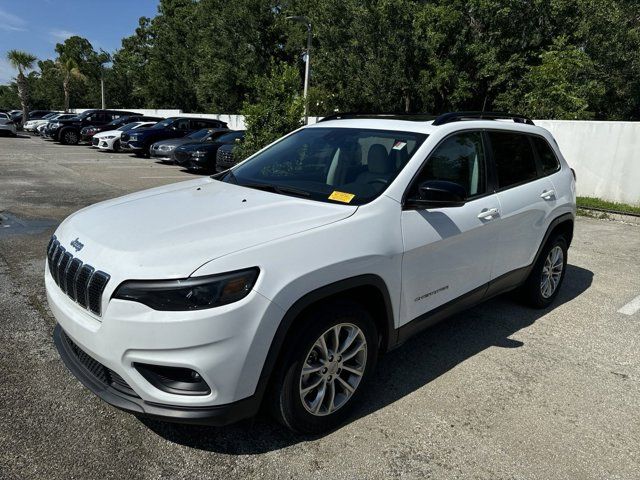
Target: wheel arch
(369, 290)
(560, 225)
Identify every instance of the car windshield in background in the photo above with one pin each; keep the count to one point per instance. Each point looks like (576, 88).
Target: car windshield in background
(129, 126)
(226, 137)
(338, 165)
(164, 123)
(199, 134)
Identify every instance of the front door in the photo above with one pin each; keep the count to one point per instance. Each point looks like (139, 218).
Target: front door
(449, 252)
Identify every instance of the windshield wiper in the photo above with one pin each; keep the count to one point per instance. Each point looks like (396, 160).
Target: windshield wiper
(282, 189)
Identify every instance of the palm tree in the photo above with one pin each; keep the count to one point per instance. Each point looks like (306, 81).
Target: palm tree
(69, 68)
(22, 61)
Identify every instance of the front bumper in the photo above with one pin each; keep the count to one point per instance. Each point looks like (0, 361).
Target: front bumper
(8, 128)
(132, 146)
(162, 155)
(221, 344)
(217, 415)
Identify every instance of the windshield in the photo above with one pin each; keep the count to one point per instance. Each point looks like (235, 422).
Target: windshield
(337, 165)
(164, 123)
(229, 136)
(198, 135)
(129, 126)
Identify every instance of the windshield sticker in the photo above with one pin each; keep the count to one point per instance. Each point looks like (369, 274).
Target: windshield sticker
(399, 145)
(341, 196)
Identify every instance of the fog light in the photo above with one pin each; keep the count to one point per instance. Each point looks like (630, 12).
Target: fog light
(176, 380)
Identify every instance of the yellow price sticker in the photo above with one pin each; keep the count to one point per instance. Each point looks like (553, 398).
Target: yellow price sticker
(341, 196)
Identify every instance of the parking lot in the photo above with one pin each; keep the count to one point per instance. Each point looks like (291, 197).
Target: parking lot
(499, 392)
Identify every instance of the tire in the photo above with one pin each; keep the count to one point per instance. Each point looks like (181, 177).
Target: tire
(544, 282)
(69, 137)
(116, 146)
(331, 390)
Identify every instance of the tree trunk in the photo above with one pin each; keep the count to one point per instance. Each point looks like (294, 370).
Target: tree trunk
(23, 93)
(65, 87)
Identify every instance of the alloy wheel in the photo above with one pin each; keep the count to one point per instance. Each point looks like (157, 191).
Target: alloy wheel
(333, 369)
(551, 272)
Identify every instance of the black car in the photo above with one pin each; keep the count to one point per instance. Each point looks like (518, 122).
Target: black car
(88, 132)
(68, 131)
(173, 127)
(225, 158)
(33, 115)
(201, 157)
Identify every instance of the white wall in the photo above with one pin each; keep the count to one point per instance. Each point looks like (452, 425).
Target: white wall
(605, 156)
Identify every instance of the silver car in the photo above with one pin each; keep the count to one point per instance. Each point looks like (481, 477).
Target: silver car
(7, 124)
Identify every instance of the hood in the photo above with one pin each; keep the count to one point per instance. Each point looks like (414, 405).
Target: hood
(169, 232)
(195, 145)
(174, 142)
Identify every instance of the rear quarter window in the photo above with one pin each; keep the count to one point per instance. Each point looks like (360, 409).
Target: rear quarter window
(548, 159)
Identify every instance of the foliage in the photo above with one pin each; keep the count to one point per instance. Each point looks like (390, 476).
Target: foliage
(592, 202)
(22, 61)
(275, 111)
(544, 58)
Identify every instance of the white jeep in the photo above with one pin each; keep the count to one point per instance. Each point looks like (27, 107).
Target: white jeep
(282, 280)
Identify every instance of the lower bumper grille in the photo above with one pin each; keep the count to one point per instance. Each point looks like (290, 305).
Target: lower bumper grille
(98, 371)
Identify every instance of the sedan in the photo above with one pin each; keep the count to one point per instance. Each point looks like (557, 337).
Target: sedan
(7, 125)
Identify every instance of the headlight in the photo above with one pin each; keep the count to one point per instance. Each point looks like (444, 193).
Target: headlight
(194, 293)
(198, 154)
(56, 125)
(133, 136)
(108, 137)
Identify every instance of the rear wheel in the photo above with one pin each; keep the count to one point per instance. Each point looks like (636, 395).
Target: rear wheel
(325, 369)
(69, 137)
(544, 281)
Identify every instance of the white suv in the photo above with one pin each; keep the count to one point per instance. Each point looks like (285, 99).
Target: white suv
(281, 281)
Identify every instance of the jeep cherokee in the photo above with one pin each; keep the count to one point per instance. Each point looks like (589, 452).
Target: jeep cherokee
(281, 281)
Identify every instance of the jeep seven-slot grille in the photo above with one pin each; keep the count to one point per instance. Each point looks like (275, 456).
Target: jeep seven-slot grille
(81, 283)
(97, 370)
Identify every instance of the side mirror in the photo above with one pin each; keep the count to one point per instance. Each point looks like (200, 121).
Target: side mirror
(438, 194)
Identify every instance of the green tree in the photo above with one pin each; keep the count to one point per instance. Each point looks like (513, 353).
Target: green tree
(22, 61)
(275, 110)
(69, 68)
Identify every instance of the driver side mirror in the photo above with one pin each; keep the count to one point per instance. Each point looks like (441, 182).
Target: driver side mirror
(438, 194)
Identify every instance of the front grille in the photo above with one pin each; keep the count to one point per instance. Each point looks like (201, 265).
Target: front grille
(181, 157)
(98, 371)
(124, 138)
(224, 157)
(94, 141)
(82, 283)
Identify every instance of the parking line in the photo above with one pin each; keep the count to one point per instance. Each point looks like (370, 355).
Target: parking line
(632, 307)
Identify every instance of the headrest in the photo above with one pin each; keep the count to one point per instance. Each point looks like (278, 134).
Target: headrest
(378, 159)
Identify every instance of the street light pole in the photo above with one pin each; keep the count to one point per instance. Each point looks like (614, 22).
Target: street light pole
(307, 67)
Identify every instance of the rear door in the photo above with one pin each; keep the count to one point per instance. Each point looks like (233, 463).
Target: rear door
(526, 197)
(449, 252)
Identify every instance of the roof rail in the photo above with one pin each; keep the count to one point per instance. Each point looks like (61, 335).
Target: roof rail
(422, 117)
(460, 116)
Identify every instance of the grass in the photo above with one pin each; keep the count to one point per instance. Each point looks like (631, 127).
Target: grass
(604, 204)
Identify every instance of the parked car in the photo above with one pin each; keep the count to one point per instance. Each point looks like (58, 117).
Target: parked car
(173, 127)
(33, 115)
(58, 116)
(164, 150)
(68, 131)
(7, 125)
(31, 125)
(201, 157)
(88, 132)
(110, 140)
(225, 158)
(283, 279)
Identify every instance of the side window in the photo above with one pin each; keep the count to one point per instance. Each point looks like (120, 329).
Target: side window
(460, 159)
(513, 157)
(199, 124)
(182, 124)
(548, 159)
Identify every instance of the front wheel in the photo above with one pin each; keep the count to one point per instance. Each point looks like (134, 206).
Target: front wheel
(116, 146)
(326, 369)
(69, 137)
(544, 281)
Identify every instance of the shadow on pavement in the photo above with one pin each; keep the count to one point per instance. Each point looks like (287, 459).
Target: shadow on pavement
(399, 373)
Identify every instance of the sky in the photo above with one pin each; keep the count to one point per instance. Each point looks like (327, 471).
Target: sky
(35, 26)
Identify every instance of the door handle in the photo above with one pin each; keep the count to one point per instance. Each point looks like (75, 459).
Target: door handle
(548, 194)
(488, 214)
